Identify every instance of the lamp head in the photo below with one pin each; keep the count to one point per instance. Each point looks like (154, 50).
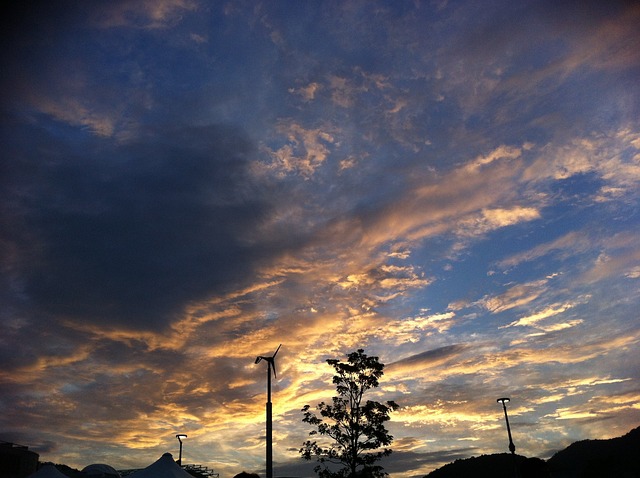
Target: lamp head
(180, 436)
(503, 400)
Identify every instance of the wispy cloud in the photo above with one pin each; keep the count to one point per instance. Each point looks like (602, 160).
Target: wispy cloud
(535, 319)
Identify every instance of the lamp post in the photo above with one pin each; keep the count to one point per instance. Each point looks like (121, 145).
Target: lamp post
(269, 439)
(180, 436)
(512, 447)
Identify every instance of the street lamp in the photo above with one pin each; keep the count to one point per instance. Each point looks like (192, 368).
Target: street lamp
(270, 365)
(512, 447)
(180, 436)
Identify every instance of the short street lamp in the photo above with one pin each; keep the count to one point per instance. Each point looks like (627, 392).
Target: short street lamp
(180, 436)
(512, 447)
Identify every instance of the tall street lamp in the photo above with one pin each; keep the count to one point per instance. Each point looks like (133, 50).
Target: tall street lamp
(180, 436)
(512, 447)
(270, 365)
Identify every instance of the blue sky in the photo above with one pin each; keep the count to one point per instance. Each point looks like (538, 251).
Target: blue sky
(452, 186)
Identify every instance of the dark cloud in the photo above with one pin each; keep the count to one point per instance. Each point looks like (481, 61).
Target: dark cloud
(405, 461)
(46, 446)
(399, 462)
(430, 355)
(132, 233)
(41, 447)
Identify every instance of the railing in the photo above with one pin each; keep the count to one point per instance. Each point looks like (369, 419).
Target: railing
(7, 444)
(202, 470)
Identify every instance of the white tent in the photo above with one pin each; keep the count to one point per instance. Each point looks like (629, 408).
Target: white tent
(164, 467)
(100, 470)
(48, 471)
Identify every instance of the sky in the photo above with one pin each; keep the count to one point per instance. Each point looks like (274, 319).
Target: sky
(452, 186)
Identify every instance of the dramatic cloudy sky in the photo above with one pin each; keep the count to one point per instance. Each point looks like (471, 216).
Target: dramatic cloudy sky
(453, 186)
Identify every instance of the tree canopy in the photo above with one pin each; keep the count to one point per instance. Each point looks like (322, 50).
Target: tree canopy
(352, 429)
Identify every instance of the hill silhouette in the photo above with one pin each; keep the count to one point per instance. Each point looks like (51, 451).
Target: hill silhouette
(613, 458)
(499, 465)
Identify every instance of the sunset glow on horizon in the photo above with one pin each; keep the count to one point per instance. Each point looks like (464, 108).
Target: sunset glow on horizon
(452, 186)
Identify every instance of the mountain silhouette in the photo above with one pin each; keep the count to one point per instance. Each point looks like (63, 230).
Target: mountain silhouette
(613, 458)
(616, 457)
(499, 465)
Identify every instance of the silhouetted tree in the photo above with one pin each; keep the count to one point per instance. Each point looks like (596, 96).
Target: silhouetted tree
(534, 468)
(354, 427)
